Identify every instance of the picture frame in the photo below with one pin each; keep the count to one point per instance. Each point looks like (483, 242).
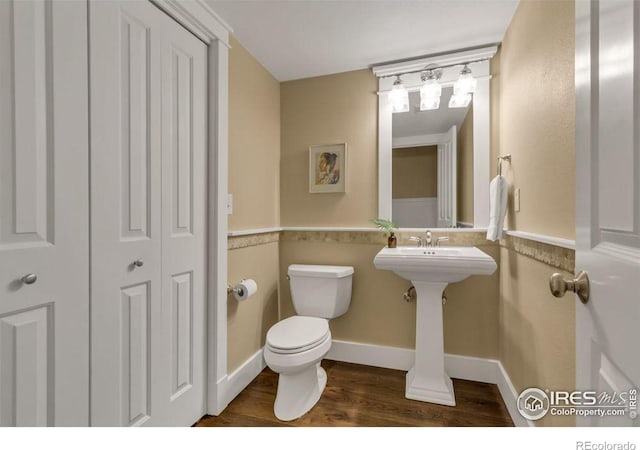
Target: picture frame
(327, 168)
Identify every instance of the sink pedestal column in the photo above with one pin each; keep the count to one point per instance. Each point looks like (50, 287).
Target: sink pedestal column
(427, 380)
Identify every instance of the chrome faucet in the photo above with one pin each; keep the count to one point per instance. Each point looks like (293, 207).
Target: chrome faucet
(441, 239)
(427, 241)
(417, 239)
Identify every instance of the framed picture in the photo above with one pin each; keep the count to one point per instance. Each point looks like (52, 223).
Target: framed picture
(327, 168)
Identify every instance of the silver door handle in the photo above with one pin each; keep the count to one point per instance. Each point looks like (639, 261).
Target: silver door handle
(29, 278)
(580, 285)
(138, 263)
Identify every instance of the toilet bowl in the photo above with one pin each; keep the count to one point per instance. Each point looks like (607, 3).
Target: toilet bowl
(295, 346)
(296, 359)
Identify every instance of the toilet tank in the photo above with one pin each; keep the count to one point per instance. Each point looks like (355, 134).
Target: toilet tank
(320, 291)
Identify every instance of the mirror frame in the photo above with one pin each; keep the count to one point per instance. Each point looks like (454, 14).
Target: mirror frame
(481, 122)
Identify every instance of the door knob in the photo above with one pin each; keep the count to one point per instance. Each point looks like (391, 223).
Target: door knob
(138, 263)
(29, 278)
(580, 285)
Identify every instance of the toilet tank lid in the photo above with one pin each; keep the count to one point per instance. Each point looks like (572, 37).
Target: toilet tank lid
(303, 270)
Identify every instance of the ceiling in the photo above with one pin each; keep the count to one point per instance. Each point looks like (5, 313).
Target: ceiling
(415, 122)
(305, 38)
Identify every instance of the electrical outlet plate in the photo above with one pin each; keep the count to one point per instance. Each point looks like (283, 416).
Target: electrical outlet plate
(516, 200)
(229, 203)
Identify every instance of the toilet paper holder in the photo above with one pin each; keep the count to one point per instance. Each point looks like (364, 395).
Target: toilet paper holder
(238, 289)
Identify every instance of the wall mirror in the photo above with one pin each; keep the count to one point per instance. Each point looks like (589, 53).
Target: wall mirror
(433, 142)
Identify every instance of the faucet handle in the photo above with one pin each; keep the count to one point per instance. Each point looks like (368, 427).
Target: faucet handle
(441, 239)
(416, 239)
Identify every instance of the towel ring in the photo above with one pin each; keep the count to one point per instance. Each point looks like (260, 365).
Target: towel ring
(500, 159)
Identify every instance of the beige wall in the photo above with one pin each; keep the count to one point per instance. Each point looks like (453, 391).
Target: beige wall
(249, 321)
(254, 166)
(465, 169)
(537, 330)
(532, 116)
(343, 108)
(415, 172)
(328, 110)
(535, 91)
(254, 142)
(379, 315)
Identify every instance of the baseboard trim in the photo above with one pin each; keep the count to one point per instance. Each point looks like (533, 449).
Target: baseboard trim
(462, 367)
(371, 355)
(229, 387)
(510, 397)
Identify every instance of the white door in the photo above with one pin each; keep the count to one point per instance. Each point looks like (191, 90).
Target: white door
(44, 210)
(608, 199)
(148, 184)
(184, 212)
(447, 186)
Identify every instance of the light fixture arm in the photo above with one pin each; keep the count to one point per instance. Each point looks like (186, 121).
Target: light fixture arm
(432, 68)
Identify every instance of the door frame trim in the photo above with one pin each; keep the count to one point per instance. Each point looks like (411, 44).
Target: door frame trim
(583, 165)
(198, 17)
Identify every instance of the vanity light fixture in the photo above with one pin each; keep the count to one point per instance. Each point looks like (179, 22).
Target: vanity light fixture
(466, 84)
(399, 96)
(430, 91)
(463, 88)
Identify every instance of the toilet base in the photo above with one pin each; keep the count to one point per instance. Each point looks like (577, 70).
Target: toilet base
(299, 392)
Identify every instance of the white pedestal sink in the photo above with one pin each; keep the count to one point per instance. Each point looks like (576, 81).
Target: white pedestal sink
(431, 269)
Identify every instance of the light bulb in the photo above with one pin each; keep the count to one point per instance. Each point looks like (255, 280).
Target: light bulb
(429, 103)
(399, 97)
(466, 84)
(459, 100)
(430, 92)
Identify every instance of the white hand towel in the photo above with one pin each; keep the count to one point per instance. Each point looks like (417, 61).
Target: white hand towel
(498, 192)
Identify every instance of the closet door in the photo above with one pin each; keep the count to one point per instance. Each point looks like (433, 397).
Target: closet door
(147, 190)
(184, 187)
(44, 210)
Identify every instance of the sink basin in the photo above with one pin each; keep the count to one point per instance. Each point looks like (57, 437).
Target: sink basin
(435, 264)
(430, 269)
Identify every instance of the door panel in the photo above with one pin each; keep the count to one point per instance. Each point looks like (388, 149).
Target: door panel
(25, 352)
(608, 198)
(148, 182)
(180, 122)
(181, 333)
(26, 160)
(135, 85)
(136, 373)
(447, 166)
(44, 351)
(184, 216)
(616, 117)
(125, 194)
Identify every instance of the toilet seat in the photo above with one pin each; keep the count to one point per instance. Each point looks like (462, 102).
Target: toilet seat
(297, 334)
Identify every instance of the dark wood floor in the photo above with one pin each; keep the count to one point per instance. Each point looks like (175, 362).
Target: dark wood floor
(365, 396)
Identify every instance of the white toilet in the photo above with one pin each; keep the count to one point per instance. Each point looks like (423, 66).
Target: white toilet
(296, 345)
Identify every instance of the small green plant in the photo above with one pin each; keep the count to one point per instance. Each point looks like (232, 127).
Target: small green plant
(386, 225)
